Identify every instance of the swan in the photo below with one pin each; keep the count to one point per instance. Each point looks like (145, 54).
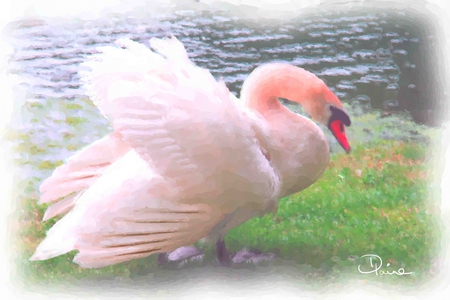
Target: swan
(186, 160)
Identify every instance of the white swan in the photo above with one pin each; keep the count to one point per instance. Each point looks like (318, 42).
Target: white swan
(186, 160)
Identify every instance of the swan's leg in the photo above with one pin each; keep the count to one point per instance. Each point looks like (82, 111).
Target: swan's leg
(222, 254)
(162, 258)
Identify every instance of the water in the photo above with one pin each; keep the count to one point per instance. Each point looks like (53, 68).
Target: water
(374, 59)
(382, 57)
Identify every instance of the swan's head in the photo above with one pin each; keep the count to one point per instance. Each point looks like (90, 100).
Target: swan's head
(281, 80)
(325, 107)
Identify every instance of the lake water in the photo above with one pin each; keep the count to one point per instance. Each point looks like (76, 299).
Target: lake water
(385, 59)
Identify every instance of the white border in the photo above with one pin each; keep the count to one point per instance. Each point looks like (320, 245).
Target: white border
(65, 10)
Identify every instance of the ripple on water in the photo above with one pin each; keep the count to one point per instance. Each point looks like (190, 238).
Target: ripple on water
(284, 49)
(257, 38)
(366, 56)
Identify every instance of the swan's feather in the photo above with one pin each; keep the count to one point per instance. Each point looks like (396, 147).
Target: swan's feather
(82, 169)
(61, 207)
(181, 120)
(171, 48)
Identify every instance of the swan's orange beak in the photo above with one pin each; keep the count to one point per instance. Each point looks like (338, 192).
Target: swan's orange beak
(338, 129)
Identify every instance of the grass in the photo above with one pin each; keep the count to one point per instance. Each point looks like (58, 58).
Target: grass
(375, 200)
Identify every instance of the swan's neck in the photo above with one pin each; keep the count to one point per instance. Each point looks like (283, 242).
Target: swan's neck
(266, 84)
(297, 147)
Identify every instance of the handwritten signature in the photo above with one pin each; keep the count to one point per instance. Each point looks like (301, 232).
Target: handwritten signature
(376, 263)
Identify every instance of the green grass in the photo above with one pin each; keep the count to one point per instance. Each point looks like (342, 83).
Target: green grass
(375, 200)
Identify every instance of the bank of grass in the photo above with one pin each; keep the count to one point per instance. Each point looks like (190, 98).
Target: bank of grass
(374, 201)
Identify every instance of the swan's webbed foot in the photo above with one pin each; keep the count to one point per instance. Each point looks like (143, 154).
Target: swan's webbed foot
(240, 257)
(252, 257)
(181, 255)
(187, 254)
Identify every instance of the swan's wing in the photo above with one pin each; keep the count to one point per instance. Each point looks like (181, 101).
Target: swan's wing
(181, 121)
(127, 213)
(195, 161)
(79, 172)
